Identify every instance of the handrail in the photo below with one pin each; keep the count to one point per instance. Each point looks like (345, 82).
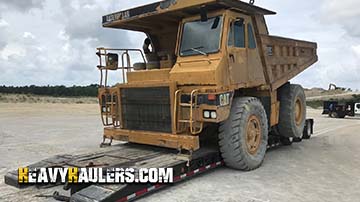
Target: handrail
(193, 104)
(176, 105)
(125, 65)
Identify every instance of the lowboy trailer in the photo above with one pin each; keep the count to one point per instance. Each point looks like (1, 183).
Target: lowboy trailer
(133, 156)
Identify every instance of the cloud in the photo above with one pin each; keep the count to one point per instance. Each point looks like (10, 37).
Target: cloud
(344, 13)
(56, 43)
(53, 41)
(83, 22)
(3, 33)
(21, 5)
(3, 23)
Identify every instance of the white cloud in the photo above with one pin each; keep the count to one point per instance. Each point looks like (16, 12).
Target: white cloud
(28, 35)
(22, 6)
(13, 50)
(3, 23)
(356, 49)
(53, 41)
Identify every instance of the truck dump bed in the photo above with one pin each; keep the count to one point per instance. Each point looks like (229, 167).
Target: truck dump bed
(285, 58)
(172, 11)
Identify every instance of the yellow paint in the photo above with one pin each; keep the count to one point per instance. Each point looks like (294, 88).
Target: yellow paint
(73, 175)
(23, 175)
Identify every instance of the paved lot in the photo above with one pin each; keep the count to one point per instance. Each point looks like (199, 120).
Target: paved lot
(326, 168)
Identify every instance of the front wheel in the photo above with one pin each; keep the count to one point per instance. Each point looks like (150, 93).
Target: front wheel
(243, 137)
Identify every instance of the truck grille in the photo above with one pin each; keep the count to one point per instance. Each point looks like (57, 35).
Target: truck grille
(146, 109)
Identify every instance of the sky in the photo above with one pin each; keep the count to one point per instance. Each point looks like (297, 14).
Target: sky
(53, 42)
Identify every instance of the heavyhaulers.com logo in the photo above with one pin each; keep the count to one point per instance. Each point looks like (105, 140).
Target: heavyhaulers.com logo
(94, 175)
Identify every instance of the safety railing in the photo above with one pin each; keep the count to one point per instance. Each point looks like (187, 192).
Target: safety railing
(109, 61)
(109, 99)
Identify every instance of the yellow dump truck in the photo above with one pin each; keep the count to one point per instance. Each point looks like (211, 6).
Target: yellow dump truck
(208, 63)
(208, 72)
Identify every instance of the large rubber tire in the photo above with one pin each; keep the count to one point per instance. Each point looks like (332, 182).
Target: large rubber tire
(139, 66)
(233, 134)
(292, 100)
(152, 65)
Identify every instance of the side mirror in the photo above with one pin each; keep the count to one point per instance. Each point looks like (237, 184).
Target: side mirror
(112, 61)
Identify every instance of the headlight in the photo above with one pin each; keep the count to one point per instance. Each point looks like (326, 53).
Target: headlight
(210, 114)
(206, 114)
(213, 115)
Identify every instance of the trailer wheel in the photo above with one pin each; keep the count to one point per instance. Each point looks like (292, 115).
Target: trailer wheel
(243, 138)
(307, 130)
(292, 111)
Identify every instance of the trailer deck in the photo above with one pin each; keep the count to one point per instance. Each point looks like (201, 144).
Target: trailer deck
(125, 156)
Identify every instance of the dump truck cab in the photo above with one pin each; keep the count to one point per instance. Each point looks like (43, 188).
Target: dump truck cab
(199, 58)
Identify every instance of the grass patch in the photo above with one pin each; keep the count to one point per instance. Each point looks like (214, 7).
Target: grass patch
(319, 103)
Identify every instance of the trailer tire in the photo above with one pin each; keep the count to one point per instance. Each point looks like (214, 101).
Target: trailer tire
(308, 130)
(243, 138)
(292, 111)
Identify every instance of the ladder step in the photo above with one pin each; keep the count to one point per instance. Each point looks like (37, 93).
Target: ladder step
(186, 105)
(110, 103)
(186, 121)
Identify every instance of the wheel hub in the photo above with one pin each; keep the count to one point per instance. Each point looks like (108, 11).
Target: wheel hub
(253, 135)
(298, 111)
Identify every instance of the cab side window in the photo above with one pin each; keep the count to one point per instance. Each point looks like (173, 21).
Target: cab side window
(251, 37)
(237, 34)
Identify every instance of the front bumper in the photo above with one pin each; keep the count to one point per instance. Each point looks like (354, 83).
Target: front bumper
(178, 141)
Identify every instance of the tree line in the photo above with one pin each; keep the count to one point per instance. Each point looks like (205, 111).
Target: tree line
(56, 91)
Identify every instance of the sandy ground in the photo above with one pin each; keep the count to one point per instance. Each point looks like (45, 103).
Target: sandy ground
(326, 168)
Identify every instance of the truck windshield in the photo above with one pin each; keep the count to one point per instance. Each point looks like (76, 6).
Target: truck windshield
(201, 38)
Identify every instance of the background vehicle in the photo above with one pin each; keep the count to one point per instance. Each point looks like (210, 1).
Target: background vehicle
(357, 109)
(337, 109)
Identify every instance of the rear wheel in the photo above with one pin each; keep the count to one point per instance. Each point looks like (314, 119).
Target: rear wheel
(292, 111)
(243, 137)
